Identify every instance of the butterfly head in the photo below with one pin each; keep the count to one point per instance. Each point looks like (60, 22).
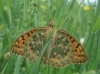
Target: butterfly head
(52, 23)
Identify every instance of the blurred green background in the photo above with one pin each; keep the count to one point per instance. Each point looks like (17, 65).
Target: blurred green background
(80, 18)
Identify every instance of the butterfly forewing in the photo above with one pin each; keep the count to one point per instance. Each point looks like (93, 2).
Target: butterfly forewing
(18, 46)
(80, 55)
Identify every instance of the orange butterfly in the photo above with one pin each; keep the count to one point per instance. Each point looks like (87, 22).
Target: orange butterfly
(63, 49)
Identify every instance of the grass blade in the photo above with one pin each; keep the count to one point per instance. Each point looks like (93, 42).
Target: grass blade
(97, 25)
(17, 66)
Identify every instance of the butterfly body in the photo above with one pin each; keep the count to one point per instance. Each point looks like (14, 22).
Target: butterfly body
(63, 49)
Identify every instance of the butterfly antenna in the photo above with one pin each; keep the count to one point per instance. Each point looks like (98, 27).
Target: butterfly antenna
(41, 11)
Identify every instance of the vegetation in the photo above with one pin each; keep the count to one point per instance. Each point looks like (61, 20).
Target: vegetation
(81, 19)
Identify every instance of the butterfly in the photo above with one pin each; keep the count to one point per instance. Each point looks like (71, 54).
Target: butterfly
(63, 49)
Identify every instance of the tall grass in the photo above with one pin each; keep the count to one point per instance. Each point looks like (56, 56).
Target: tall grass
(19, 16)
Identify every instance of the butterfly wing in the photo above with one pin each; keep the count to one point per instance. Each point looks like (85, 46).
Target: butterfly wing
(66, 50)
(80, 55)
(17, 46)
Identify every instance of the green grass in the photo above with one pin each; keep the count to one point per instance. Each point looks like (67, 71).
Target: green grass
(20, 16)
